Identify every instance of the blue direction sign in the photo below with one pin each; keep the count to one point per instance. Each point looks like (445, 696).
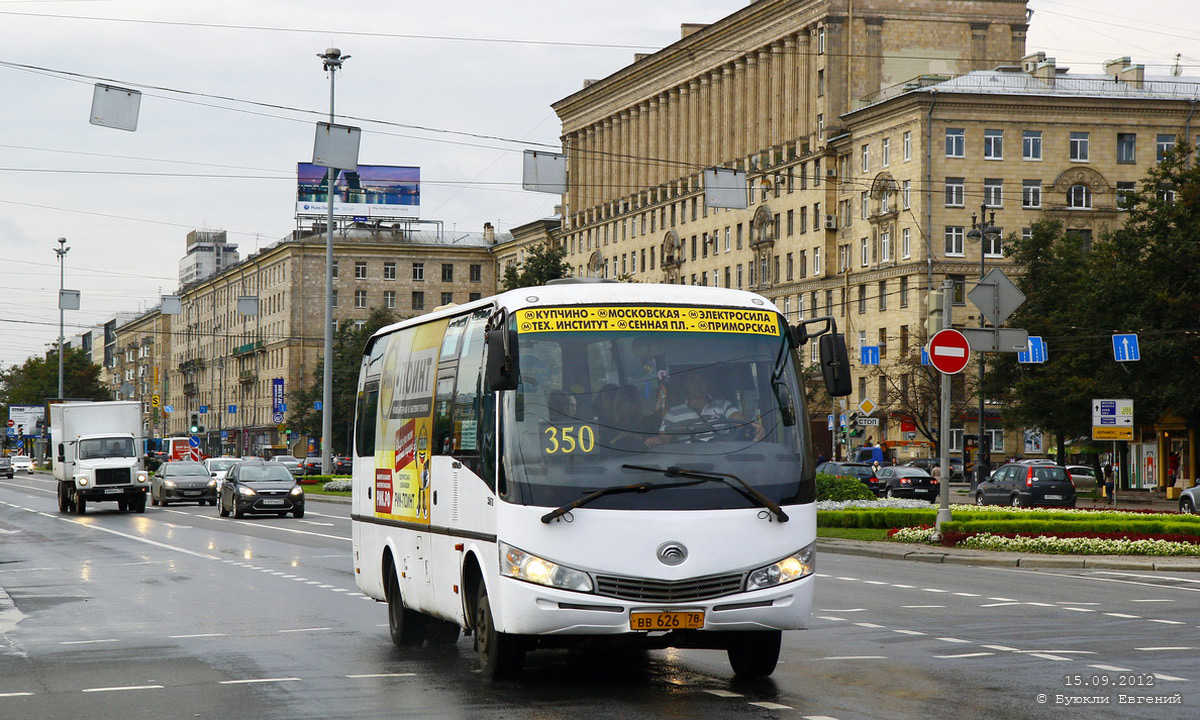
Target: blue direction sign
(316, 405)
(1035, 353)
(1125, 348)
(233, 409)
(870, 355)
(925, 357)
(194, 441)
(203, 409)
(169, 408)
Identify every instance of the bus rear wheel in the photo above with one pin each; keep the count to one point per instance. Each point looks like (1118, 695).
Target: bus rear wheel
(501, 655)
(754, 654)
(407, 627)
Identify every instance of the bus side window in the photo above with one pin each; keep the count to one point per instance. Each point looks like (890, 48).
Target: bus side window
(467, 411)
(365, 424)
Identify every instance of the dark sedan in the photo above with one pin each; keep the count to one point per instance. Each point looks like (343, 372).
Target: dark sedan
(260, 487)
(927, 464)
(182, 481)
(1020, 484)
(907, 482)
(858, 471)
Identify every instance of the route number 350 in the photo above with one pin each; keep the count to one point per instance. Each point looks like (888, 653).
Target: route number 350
(568, 439)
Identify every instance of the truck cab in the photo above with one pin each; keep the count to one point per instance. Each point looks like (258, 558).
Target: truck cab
(97, 455)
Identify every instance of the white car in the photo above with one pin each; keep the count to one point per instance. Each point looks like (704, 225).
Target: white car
(1082, 475)
(218, 467)
(22, 463)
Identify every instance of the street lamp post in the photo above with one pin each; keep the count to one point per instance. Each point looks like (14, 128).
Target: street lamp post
(983, 230)
(332, 60)
(61, 251)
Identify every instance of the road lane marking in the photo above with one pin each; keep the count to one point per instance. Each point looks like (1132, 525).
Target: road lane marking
(724, 693)
(963, 655)
(1110, 668)
(1003, 599)
(318, 524)
(1169, 622)
(1039, 604)
(197, 635)
(1152, 600)
(88, 642)
(854, 657)
(906, 587)
(300, 630)
(966, 594)
(845, 610)
(771, 706)
(1078, 609)
(909, 632)
(1048, 656)
(934, 590)
(385, 675)
(127, 687)
(1001, 648)
(15, 694)
(259, 680)
(918, 607)
(1124, 615)
(1169, 678)
(999, 604)
(1165, 648)
(952, 640)
(867, 625)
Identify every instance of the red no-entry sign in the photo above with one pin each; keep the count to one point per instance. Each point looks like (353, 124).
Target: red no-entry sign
(949, 351)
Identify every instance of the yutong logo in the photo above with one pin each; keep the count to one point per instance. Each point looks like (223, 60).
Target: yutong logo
(672, 553)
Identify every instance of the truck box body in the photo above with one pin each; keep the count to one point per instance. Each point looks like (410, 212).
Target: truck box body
(97, 454)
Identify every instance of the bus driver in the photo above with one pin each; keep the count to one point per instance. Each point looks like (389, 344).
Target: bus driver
(699, 408)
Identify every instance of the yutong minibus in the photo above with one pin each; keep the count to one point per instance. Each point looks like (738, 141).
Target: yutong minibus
(591, 461)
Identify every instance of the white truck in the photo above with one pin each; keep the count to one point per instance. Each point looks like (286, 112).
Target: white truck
(97, 448)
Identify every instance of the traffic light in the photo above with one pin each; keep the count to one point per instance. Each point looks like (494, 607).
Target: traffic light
(194, 425)
(852, 427)
(935, 320)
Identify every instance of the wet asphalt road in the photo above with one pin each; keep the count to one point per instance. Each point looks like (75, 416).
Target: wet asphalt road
(178, 613)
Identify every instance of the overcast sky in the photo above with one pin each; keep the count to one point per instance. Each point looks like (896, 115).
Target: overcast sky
(232, 89)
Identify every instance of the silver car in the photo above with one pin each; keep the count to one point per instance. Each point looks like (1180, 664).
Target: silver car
(293, 464)
(1190, 500)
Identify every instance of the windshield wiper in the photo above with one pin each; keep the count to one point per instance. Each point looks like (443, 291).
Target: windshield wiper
(749, 490)
(615, 490)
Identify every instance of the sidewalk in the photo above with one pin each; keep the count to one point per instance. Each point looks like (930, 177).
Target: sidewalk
(1126, 499)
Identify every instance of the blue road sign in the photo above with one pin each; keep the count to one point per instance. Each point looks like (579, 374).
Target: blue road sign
(224, 434)
(316, 405)
(194, 441)
(20, 442)
(203, 409)
(843, 419)
(1125, 348)
(169, 408)
(277, 418)
(925, 357)
(829, 419)
(233, 409)
(870, 355)
(1036, 352)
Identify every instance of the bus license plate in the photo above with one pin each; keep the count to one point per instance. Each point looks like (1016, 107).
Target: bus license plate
(666, 620)
(113, 491)
(272, 502)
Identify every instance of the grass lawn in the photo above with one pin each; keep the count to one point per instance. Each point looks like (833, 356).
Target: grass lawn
(853, 533)
(318, 490)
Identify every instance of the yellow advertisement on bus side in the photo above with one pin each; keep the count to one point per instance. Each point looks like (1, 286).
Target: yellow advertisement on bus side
(648, 318)
(406, 395)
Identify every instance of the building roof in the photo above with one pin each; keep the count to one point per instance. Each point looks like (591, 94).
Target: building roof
(1008, 82)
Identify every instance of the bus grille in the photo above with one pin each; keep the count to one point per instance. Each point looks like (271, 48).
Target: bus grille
(668, 590)
(113, 476)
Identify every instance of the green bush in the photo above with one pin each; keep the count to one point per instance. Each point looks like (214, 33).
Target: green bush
(830, 487)
(885, 518)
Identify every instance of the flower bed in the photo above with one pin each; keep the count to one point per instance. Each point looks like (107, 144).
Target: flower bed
(1079, 545)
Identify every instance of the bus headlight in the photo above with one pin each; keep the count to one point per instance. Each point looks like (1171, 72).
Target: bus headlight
(792, 567)
(521, 565)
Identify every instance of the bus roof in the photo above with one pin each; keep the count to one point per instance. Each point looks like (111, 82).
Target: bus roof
(591, 293)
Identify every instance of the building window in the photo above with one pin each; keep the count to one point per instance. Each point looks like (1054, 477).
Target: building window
(820, 40)
(360, 299)
(334, 270)
(820, 126)
(1163, 144)
(389, 271)
(885, 246)
(886, 151)
(447, 272)
(954, 240)
(816, 261)
(959, 290)
(360, 270)
(906, 243)
(472, 297)
(1031, 145)
(864, 201)
(389, 299)
(993, 144)
(907, 145)
(418, 273)
(739, 236)
(883, 294)
(418, 300)
(1079, 146)
(862, 299)
(820, 83)
(1127, 148)
(1031, 193)
(791, 267)
(906, 195)
(903, 293)
(334, 299)
(476, 273)
(864, 252)
(954, 192)
(992, 246)
(447, 298)
(791, 225)
(866, 158)
(956, 142)
(1125, 192)
(993, 192)
(1079, 197)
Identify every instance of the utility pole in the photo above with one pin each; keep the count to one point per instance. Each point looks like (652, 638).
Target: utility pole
(332, 60)
(984, 230)
(61, 251)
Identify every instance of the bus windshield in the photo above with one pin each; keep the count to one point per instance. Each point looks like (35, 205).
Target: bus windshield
(708, 397)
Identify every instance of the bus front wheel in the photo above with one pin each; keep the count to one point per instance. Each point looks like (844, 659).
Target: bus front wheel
(754, 654)
(406, 627)
(500, 654)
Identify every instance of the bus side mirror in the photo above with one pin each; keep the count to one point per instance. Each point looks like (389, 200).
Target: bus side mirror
(835, 364)
(503, 370)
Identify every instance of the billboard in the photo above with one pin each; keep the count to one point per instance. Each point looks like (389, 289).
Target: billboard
(373, 191)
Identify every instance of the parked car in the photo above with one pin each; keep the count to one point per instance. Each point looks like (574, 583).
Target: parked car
(182, 481)
(311, 465)
(1189, 501)
(292, 464)
(343, 466)
(1019, 484)
(907, 482)
(927, 464)
(22, 463)
(218, 467)
(858, 471)
(6, 466)
(1082, 475)
(260, 487)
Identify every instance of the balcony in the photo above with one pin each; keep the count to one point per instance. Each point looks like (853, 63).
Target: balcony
(246, 377)
(248, 348)
(190, 366)
(191, 388)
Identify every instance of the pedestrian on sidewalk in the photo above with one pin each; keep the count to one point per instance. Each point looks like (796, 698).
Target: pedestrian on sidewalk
(1108, 483)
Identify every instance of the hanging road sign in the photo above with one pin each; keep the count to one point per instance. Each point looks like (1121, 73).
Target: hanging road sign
(996, 296)
(1125, 348)
(949, 351)
(869, 355)
(996, 339)
(1035, 353)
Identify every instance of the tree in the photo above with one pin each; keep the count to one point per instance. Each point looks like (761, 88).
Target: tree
(542, 263)
(36, 380)
(349, 341)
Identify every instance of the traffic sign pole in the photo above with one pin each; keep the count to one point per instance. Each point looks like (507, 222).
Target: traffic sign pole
(943, 513)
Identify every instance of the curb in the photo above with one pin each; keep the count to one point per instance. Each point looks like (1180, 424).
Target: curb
(332, 499)
(951, 556)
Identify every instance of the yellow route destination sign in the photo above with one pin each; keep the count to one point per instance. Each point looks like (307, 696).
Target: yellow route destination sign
(641, 318)
(1111, 432)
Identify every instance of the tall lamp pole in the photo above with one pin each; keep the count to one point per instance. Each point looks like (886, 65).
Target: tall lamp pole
(332, 60)
(983, 230)
(61, 251)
